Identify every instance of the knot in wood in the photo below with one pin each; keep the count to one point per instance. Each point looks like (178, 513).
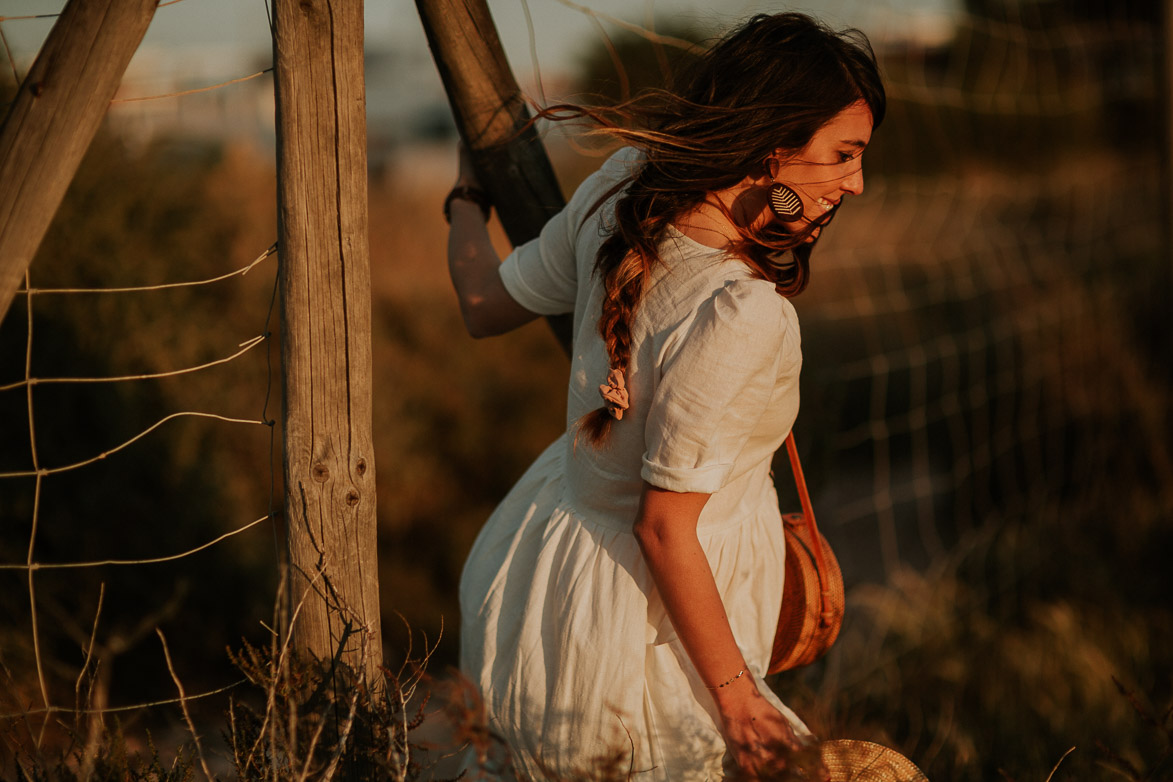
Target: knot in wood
(320, 472)
(361, 467)
(352, 497)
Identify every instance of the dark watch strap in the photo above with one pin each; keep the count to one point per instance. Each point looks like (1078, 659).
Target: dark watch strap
(464, 193)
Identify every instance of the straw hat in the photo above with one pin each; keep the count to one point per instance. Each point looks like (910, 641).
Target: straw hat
(849, 760)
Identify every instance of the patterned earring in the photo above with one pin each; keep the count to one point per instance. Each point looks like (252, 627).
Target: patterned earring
(785, 203)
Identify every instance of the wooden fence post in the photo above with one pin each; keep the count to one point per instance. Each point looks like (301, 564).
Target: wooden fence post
(490, 111)
(326, 331)
(54, 118)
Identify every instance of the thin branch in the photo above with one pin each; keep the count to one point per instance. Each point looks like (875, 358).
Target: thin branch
(341, 747)
(533, 51)
(54, 16)
(23, 715)
(118, 709)
(643, 32)
(405, 748)
(1056, 768)
(616, 61)
(313, 746)
(89, 647)
(280, 659)
(183, 707)
(8, 52)
(194, 91)
(28, 16)
(94, 730)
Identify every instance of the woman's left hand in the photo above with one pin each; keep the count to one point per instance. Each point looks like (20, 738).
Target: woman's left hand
(761, 742)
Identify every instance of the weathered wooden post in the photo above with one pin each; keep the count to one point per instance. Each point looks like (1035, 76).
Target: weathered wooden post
(54, 118)
(326, 331)
(490, 112)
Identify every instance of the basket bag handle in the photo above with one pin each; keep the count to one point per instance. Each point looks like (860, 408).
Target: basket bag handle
(808, 516)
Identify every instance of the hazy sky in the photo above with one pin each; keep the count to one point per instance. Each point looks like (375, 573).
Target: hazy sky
(561, 31)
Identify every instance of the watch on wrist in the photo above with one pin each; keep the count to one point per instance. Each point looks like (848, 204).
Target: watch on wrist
(466, 193)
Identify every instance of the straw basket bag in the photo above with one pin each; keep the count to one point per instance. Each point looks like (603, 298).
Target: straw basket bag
(848, 760)
(812, 592)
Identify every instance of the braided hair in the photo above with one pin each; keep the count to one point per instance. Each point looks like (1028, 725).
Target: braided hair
(770, 84)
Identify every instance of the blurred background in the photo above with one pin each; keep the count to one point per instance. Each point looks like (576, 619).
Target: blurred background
(986, 389)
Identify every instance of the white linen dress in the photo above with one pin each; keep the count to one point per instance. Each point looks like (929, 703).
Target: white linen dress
(562, 627)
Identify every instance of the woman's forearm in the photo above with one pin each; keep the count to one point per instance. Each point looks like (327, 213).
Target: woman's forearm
(666, 531)
(485, 304)
(758, 736)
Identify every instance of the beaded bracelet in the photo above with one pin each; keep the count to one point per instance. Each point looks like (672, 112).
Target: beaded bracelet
(723, 684)
(474, 194)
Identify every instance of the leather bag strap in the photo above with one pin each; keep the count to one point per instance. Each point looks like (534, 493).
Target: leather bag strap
(808, 515)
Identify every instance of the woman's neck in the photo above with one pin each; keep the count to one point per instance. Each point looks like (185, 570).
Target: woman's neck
(718, 221)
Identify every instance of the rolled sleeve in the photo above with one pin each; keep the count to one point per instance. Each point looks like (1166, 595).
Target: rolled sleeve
(541, 274)
(714, 388)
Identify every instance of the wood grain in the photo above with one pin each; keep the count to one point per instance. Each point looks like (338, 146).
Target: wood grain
(491, 115)
(56, 114)
(326, 331)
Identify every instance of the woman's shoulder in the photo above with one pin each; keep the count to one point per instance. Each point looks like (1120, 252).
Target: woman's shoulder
(624, 161)
(711, 274)
(722, 303)
(748, 303)
(607, 180)
(703, 282)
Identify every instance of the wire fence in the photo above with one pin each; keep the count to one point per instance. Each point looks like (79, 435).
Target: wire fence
(40, 470)
(1006, 334)
(985, 352)
(123, 385)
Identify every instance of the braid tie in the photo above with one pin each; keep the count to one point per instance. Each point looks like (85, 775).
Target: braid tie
(614, 393)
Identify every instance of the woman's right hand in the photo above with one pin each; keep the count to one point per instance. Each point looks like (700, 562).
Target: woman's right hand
(759, 738)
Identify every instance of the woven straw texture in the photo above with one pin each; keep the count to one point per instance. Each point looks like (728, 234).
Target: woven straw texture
(849, 760)
(801, 638)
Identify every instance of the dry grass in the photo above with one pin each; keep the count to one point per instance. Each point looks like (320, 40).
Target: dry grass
(992, 661)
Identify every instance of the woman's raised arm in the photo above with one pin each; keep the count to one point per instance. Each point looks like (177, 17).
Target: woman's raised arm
(485, 304)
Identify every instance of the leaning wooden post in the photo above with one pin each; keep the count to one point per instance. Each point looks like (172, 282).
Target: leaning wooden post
(324, 272)
(54, 118)
(490, 112)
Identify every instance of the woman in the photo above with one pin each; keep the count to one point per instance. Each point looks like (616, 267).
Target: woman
(620, 603)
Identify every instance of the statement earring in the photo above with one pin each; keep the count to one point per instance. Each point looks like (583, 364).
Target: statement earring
(785, 203)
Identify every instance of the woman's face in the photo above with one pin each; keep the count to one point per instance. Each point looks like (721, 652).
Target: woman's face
(829, 167)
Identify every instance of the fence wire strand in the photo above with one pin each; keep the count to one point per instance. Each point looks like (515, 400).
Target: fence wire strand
(40, 472)
(140, 561)
(194, 91)
(161, 286)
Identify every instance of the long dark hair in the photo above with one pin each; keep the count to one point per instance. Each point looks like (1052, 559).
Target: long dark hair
(769, 84)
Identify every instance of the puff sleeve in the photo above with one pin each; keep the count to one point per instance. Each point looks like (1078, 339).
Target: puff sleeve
(716, 381)
(542, 274)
